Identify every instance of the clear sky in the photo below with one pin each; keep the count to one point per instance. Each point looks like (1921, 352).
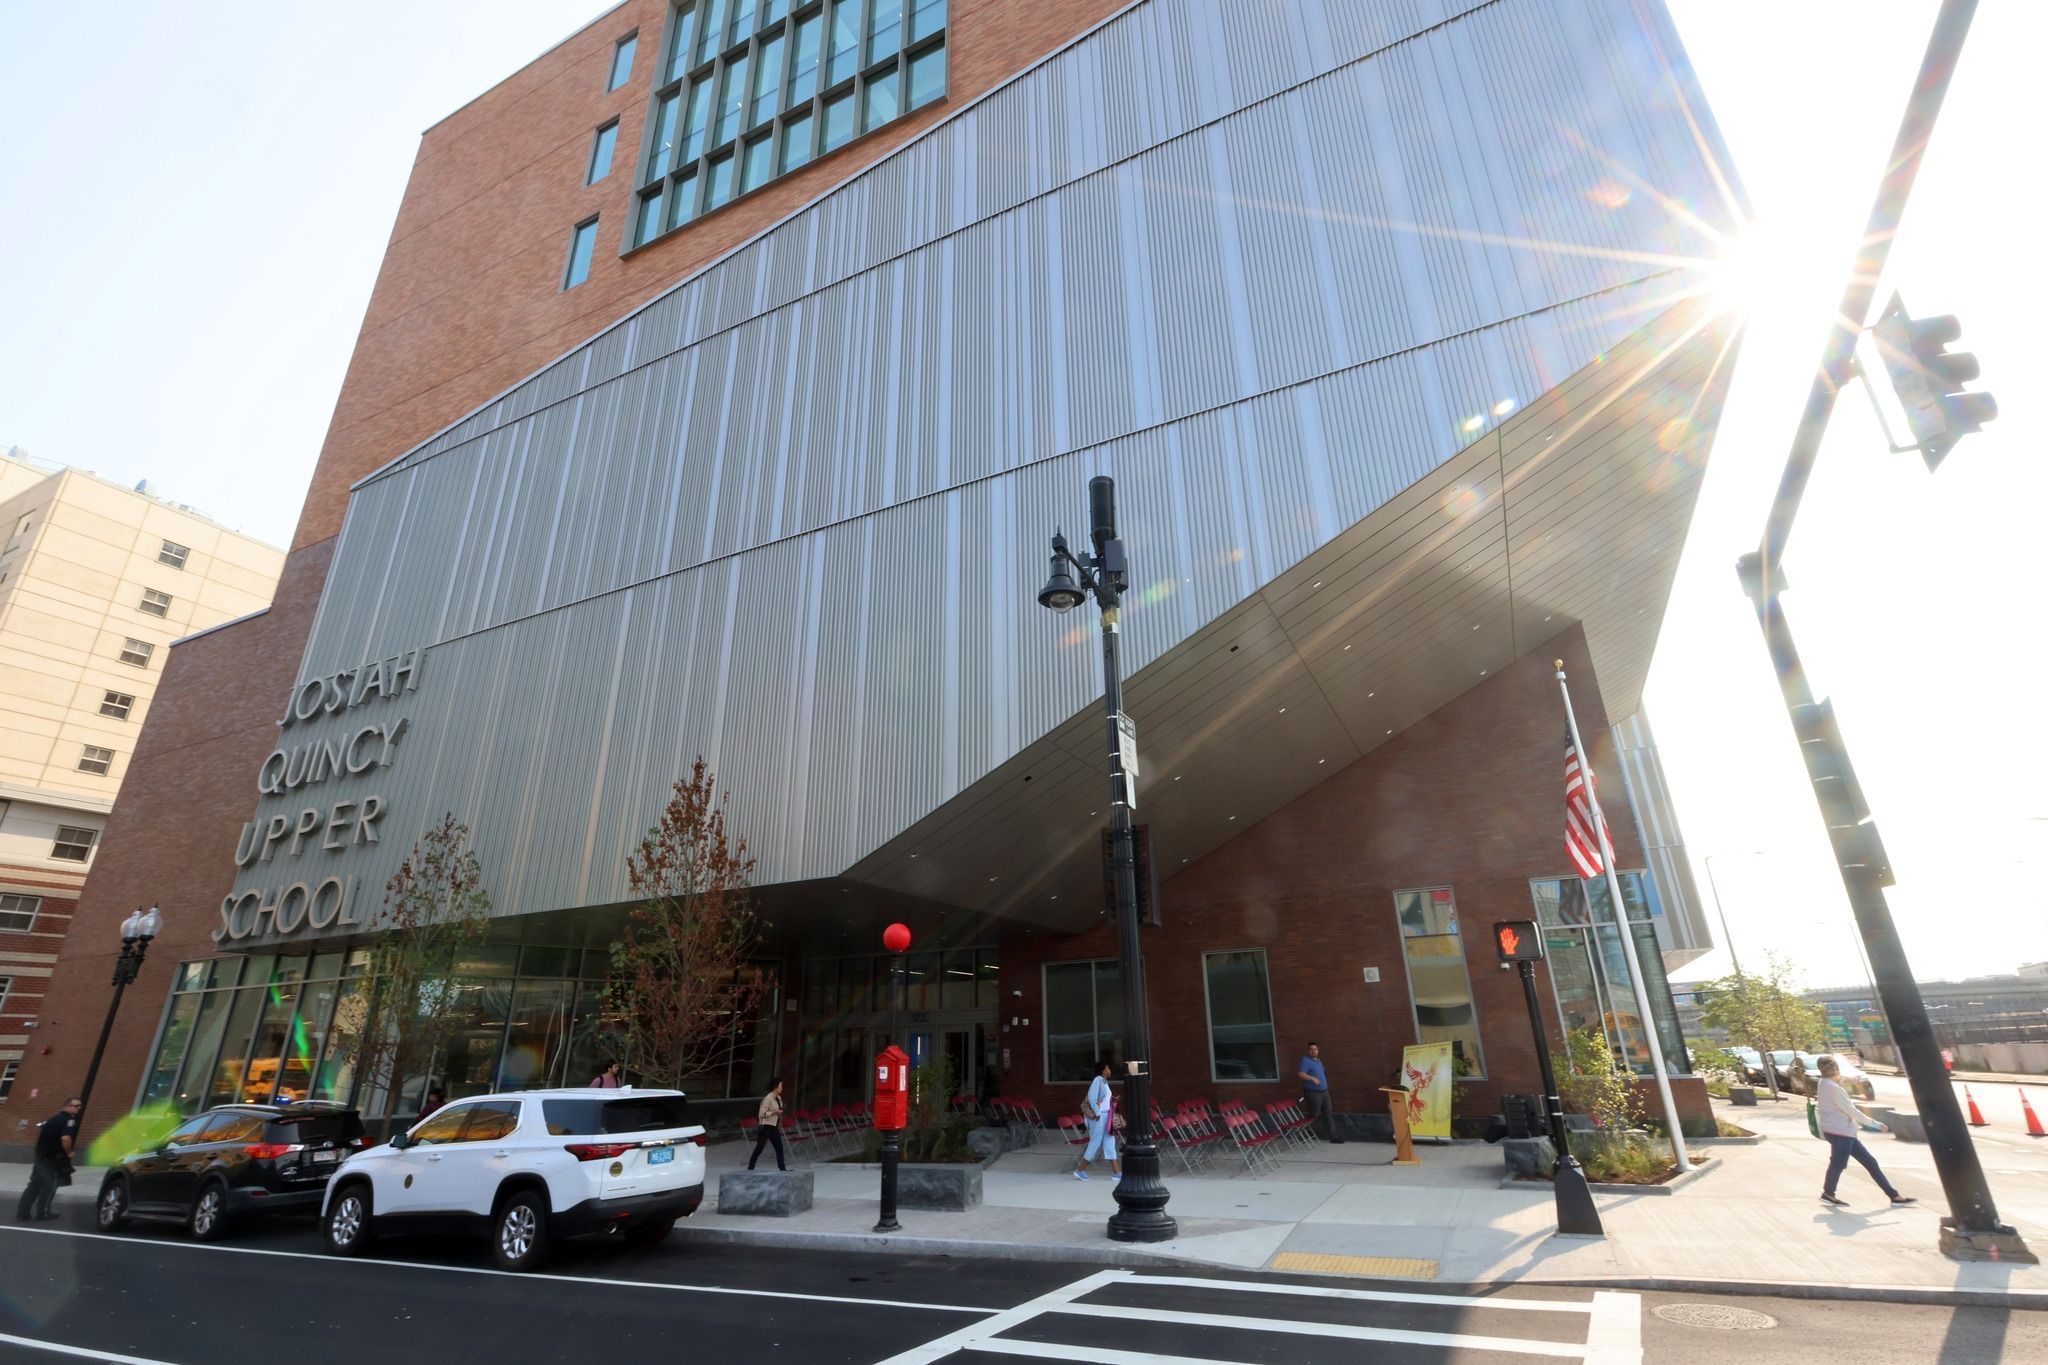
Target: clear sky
(194, 198)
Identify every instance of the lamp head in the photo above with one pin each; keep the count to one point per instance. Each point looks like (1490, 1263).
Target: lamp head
(149, 922)
(1061, 592)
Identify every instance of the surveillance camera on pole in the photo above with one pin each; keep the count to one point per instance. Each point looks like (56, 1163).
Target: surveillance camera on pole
(1929, 379)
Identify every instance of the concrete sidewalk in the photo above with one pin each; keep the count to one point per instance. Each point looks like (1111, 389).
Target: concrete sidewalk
(1752, 1221)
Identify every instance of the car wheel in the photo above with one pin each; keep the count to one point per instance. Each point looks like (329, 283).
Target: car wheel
(519, 1234)
(647, 1234)
(347, 1225)
(209, 1220)
(113, 1210)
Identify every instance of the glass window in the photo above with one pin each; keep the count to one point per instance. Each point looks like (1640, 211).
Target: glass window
(547, 961)
(336, 1076)
(845, 40)
(7, 1072)
(796, 141)
(601, 153)
(135, 653)
(266, 1057)
(234, 1128)
(1083, 1018)
(661, 147)
(650, 217)
(732, 96)
(188, 1086)
(1589, 969)
(926, 18)
(622, 61)
(537, 1038)
(838, 121)
(444, 1124)
(759, 166)
(582, 241)
(639, 1114)
(678, 47)
(803, 72)
(882, 102)
(491, 1121)
(6, 989)
(73, 844)
(1439, 988)
(772, 11)
(301, 1051)
(172, 554)
(767, 81)
(18, 913)
(226, 1083)
(721, 180)
(988, 993)
(93, 759)
(885, 29)
(699, 118)
(742, 21)
(956, 984)
(927, 77)
(921, 981)
(710, 29)
(117, 704)
(155, 603)
(683, 205)
(187, 1133)
(1241, 1045)
(863, 984)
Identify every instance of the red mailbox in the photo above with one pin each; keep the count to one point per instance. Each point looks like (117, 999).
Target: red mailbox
(892, 1088)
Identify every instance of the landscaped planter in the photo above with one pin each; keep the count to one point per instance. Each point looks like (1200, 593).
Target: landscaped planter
(954, 1187)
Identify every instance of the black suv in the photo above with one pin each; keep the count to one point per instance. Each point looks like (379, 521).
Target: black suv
(236, 1160)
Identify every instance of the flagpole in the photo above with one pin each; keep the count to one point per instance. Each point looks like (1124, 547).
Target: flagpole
(1628, 938)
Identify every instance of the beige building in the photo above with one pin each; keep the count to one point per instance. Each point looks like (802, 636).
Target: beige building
(96, 580)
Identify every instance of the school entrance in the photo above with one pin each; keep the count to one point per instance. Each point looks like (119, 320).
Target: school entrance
(947, 1018)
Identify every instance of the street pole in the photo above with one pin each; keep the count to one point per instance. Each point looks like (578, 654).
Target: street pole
(1577, 1216)
(1972, 1230)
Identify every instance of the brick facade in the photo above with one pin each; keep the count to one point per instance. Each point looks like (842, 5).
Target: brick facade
(1471, 797)
(467, 302)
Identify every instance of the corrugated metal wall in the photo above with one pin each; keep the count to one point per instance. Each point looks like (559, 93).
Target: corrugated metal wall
(1260, 261)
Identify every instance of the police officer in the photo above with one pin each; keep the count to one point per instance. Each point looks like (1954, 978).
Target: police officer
(53, 1163)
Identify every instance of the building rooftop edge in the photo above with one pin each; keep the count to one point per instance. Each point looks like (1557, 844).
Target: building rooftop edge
(221, 625)
(51, 470)
(565, 38)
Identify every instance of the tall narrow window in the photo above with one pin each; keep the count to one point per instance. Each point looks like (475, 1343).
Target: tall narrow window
(885, 29)
(1241, 1045)
(710, 29)
(1438, 986)
(650, 217)
(1084, 1018)
(135, 653)
(93, 759)
(155, 603)
(172, 554)
(622, 61)
(117, 704)
(803, 73)
(581, 242)
(732, 98)
(661, 145)
(767, 81)
(601, 153)
(7, 1071)
(699, 120)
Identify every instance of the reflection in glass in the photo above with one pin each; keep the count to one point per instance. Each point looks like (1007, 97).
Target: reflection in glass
(650, 218)
(838, 121)
(845, 40)
(1069, 1021)
(170, 1053)
(882, 101)
(803, 75)
(1241, 1046)
(1438, 985)
(537, 1036)
(767, 81)
(926, 18)
(796, 141)
(699, 118)
(885, 29)
(659, 150)
(732, 98)
(927, 77)
(684, 207)
(721, 180)
(710, 29)
(225, 1086)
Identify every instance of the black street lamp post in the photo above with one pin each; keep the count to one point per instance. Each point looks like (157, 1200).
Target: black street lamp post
(1141, 1195)
(136, 932)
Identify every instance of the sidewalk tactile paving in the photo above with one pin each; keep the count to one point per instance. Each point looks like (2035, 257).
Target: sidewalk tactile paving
(1380, 1267)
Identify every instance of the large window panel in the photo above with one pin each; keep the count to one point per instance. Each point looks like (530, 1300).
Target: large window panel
(1241, 1042)
(1589, 967)
(161, 1083)
(1439, 988)
(1083, 1018)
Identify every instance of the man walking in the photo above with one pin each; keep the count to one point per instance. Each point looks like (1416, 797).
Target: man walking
(53, 1163)
(1315, 1093)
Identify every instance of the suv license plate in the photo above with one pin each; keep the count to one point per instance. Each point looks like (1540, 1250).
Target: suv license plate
(660, 1156)
(326, 1158)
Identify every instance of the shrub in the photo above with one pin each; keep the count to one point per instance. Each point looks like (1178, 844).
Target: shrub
(1594, 1086)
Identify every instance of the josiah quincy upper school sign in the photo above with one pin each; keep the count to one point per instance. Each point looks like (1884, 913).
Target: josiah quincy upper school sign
(368, 745)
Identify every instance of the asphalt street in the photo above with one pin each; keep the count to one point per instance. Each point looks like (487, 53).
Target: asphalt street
(152, 1295)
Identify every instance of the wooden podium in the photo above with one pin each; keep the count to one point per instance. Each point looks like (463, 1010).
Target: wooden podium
(1404, 1141)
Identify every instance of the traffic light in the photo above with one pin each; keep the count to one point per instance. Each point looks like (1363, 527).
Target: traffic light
(1929, 379)
(1518, 940)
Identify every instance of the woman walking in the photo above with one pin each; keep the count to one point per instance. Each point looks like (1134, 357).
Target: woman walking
(1100, 1111)
(1839, 1119)
(769, 1117)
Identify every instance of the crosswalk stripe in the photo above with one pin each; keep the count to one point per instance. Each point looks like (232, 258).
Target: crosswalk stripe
(1373, 1295)
(1328, 1329)
(1614, 1336)
(1094, 1355)
(973, 1338)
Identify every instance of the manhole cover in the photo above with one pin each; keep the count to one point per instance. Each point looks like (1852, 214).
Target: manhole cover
(1715, 1315)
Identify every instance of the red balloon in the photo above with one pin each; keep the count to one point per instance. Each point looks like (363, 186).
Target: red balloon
(896, 937)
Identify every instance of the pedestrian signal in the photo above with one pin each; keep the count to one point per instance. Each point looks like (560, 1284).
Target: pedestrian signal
(1518, 940)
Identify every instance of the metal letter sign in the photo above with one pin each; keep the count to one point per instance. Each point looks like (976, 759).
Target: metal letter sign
(1518, 940)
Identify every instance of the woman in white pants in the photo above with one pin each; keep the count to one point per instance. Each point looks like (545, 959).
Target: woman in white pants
(1100, 1111)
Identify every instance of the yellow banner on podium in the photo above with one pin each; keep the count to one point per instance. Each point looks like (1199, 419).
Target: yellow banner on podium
(1426, 1071)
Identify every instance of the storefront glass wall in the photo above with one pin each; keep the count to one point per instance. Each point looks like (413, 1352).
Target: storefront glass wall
(1589, 967)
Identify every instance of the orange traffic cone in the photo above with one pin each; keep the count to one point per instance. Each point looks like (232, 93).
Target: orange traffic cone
(2034, 1128)
(1976, 1114)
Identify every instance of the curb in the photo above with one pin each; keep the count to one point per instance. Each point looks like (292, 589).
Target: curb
(1098, 1254)
(1924, 1295)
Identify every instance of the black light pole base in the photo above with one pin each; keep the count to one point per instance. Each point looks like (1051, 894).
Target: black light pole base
(1141, 1196)
(892, 1151)
(1576, 1215)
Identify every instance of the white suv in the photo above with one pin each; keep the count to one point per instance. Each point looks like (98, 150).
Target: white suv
(532, 1167)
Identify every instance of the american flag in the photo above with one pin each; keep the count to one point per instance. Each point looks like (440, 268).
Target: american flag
(1581, 826)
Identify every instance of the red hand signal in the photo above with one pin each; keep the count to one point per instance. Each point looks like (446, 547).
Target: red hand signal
(1509, 940)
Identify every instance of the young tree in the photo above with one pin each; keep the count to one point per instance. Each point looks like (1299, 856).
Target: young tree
(434, 907)
(681, 986)
(1764, 1011)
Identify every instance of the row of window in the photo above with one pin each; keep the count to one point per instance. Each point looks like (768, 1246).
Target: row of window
(18, 913)
(1588, 969)
(752, 90)
(172, 552)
